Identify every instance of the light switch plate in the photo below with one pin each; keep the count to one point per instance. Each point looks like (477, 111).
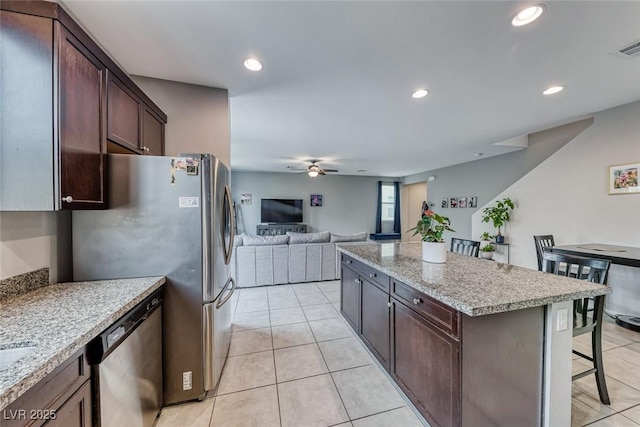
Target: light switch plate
(562, 320)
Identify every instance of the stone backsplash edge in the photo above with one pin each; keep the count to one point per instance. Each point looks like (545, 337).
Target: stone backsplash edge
(23, 283)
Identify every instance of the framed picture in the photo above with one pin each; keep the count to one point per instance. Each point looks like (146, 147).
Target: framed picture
(623, 179)
(316, 200)
(453, 202)
(462, 202)
(245, 199)
(445, 203)
(472, 202)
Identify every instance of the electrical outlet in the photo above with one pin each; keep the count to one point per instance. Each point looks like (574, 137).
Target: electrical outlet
(187, 383)
(563, 319)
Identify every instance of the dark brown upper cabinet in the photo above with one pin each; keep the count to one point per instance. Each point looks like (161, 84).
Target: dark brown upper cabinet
(123, 115)
(52, 151)
(152, 133)
(55, 126)
(131, 124)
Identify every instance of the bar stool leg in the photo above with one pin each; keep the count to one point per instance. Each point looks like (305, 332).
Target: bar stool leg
(596, 343)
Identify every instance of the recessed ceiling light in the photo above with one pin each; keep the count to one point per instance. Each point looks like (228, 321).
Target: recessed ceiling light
(553, 89)
(252, 64)
(527, 16)
(420, 93)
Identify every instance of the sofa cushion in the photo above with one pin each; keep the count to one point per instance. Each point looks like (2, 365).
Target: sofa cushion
(302, 238)
(250, 240)
(360, 237)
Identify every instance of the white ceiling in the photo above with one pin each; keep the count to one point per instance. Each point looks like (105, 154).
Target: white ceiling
(338, 76)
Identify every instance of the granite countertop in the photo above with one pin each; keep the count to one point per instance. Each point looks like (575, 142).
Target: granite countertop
(473, 286)
(61, 319)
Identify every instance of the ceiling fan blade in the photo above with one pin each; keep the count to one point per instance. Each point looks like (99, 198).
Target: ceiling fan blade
(295, 169)
(321, 172)
(330, 170)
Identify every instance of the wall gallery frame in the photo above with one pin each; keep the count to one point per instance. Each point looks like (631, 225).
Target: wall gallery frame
(245, 199)
(316, 200)
(623, 179)
(460, 202)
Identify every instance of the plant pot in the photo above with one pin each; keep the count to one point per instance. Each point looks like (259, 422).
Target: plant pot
(499, 239)
(486, 255)
(434, 252)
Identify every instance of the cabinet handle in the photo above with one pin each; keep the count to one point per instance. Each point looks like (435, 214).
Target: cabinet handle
(67, 199)
(373, 275)
(417, 301)
(143, 148)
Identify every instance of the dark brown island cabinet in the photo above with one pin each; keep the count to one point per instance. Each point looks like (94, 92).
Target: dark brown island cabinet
(64, 104)
(449, 365)
(61, 399)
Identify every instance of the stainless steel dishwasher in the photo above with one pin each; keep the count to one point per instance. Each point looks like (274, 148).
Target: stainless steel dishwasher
(126, 364)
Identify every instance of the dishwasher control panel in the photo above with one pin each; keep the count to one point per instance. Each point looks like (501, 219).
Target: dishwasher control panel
(103, 344)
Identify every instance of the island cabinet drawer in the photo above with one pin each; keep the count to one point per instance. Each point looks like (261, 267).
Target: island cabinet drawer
(379, 279)
(441, 315)
(41, 402)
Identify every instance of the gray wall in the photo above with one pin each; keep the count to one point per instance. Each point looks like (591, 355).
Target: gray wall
(197, 116)
(349, 202)
(488, 177)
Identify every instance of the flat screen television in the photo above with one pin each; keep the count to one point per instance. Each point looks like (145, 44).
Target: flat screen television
(280, 211)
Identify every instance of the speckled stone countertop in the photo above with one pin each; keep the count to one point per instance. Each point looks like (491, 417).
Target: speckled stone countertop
(473, 286)
(61, 319)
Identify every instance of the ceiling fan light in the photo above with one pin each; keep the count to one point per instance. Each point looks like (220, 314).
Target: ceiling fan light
(313, 173)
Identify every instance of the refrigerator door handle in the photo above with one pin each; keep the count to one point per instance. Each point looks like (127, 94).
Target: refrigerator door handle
(230, 221)
(223, 300)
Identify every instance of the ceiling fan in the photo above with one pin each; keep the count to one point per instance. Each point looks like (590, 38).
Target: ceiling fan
(313, 170)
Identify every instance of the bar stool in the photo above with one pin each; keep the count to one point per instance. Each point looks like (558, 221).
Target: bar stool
(465, 247)
(592, 270)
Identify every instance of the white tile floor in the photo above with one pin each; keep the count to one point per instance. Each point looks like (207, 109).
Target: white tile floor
(294, 362)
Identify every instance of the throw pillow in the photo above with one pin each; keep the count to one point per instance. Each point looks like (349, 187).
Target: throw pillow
(301, 238)
(250, 240)
(360, 237)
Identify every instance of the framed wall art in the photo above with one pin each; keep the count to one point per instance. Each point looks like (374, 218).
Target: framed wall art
(453, 202)
(245, 199)
(462, 202)
(445, 203)
(472, 202)
(316, 200)
(623, 179)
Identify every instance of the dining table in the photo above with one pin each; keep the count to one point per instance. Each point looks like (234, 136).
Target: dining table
(624, 278)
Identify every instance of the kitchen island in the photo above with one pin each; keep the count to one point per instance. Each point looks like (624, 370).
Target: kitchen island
(471, 341)
(58, 321)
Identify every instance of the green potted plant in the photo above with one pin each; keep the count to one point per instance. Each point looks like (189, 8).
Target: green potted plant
(486, 251)
(431, 227)
(498, 215)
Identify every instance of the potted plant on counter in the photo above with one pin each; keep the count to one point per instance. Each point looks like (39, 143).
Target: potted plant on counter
(431, 227)
(499, 215)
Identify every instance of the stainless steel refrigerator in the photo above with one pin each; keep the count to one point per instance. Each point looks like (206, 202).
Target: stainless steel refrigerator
(169, 216)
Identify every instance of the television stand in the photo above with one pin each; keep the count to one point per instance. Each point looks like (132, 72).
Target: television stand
(279, 229)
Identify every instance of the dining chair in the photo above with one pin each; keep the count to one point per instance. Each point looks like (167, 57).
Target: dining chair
(585, 321)
(465, 247)
(541, 242)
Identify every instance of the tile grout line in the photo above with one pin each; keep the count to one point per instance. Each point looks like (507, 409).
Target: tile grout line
(333, 381)
(275, 368)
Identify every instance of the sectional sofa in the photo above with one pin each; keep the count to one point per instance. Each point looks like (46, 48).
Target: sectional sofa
(291, 258)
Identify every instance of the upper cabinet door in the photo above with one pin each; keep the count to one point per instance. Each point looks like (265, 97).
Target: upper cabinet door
(123, 115)
(81, 163)
(152, 134)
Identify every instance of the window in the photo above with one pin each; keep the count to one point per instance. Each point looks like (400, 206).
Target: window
(388, 201)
